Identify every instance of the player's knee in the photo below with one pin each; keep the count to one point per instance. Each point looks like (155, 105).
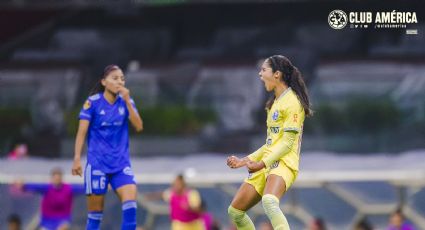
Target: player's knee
(95, 203)
(270, 204)
(235, 214)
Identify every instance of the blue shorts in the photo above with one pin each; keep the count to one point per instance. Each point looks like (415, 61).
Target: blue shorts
(96, 181)
(54, 223)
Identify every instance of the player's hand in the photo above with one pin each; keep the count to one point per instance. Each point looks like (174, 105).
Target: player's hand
(124, 92)
(76, 168)
(234, 162)
(255, 166)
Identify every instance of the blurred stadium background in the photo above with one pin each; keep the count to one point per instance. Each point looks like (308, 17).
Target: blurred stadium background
(192, 69)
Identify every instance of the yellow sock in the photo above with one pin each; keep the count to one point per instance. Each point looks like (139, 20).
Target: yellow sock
(240, 219)
(273, 212)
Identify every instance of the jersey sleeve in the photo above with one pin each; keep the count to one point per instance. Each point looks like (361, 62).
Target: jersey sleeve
(133, 105)
(281, 148)
(258, 154)
(86, 113)
(293, 119)
(194, 199)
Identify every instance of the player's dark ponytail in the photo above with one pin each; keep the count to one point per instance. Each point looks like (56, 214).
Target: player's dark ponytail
(270, 101)
(98, 87)
(292, 78)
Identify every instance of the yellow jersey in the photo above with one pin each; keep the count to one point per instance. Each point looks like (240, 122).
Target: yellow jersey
(285, 115)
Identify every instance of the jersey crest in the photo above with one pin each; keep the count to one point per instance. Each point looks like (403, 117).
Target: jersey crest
(275, 115)
(121, 110)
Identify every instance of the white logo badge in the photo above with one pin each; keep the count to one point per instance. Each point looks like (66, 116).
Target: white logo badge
(337, 19)
(121, 110)
(95, 184)
(127, 171)
(102, 112)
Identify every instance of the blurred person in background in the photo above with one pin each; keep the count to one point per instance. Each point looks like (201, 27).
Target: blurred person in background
(317, 224)
(184, 205)
(274, 166)
(19, 151)
(56, 204)
(14, 222)
(363, 224)
(398, 221)
(208, 219)
(105, 118)
(265, 225)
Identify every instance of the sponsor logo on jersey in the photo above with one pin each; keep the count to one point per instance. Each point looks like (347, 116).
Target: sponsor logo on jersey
(117, 123)
(98, 173)
(275, 129)
(106, 124)
(127, 170)
(102, 112)
(95, 97)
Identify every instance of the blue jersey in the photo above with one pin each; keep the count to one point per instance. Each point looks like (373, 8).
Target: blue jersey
(107, 140)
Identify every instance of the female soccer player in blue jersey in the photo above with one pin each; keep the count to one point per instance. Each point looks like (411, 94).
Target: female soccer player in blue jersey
(274, 166)
(104, 117)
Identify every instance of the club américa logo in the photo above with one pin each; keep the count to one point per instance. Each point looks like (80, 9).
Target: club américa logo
(394, 19)
(337, 19)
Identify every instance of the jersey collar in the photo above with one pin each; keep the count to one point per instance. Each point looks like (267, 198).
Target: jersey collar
(107, 102)
(283, 93)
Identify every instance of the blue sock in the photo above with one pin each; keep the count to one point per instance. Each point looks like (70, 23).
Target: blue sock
(93, 220)
(129, 215)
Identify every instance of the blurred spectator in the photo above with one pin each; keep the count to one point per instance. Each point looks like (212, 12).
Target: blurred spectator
(20, 151)
(13, 222)
(185, 205)
(363, 224)
(56, 204)
(398, 221)
(265, 225)
(317, 224)
(209, 221)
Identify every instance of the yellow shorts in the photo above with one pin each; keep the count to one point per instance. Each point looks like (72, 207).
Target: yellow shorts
(279, 168)
(193, 225)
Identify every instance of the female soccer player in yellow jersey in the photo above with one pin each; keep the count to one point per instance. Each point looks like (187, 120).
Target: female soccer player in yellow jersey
(274, 166)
